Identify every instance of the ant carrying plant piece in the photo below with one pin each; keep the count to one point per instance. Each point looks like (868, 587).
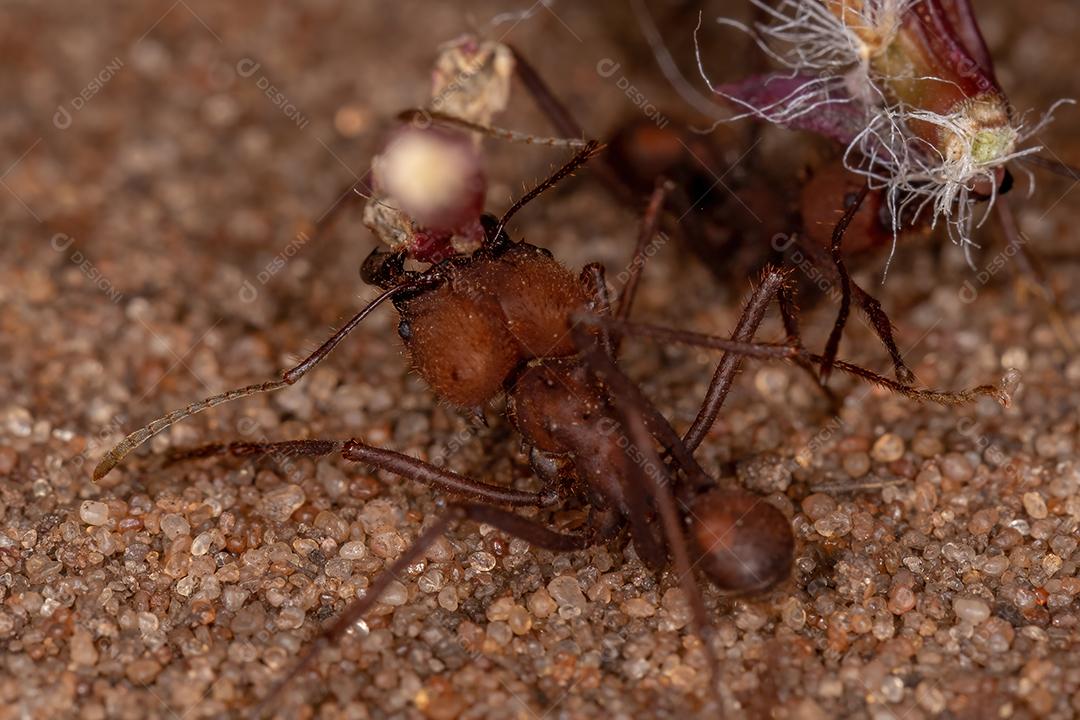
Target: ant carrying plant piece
(425, 192)
(509, 319)
(641, 154)
(908, 88)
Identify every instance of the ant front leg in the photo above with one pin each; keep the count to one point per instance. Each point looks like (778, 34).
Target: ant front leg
(722, 380)
(870, 306)
(445, 480)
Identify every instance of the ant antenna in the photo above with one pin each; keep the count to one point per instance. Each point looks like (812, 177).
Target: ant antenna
(591, 150)
(1053, 165)
(115, 456)
(422, 117)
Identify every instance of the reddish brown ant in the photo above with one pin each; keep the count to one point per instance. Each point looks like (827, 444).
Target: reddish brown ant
(509, 319)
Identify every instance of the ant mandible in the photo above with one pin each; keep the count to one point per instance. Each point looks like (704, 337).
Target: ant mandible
(511, 319)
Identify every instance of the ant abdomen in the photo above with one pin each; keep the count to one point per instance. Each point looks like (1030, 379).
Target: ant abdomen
(747, 545)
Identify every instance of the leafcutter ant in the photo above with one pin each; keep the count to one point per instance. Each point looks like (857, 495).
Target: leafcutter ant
(509, 319)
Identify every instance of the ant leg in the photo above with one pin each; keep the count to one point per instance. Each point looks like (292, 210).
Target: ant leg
(124, 448)
(1053, 165)
(648, 544)
(649, 223)
(445, 480)
(789, 312)
(508, 522)
(832, 346)
(870, 306)
(594, 282)
(1001, 393)
(754, 312)
(604, 367)
(561, 118)
(601, 305)
(659, 489)
(653, 476)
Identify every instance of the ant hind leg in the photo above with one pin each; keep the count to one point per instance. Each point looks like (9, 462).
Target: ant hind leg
(870, 306)
(643, 426)
(504, 520)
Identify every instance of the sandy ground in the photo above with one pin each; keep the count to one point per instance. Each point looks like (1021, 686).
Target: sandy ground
(154, 186)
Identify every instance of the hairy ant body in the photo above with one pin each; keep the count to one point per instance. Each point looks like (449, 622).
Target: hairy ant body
(509, 319)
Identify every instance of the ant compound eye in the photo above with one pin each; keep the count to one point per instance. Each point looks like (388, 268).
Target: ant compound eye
(404, 330)
(746, 543)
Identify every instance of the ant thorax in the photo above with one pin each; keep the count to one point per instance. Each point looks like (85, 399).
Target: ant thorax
(488, 314)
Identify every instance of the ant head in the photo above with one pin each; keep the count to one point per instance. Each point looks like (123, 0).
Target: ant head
(746, 543)
(487, 313)
(383, 269)
(459, 342)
